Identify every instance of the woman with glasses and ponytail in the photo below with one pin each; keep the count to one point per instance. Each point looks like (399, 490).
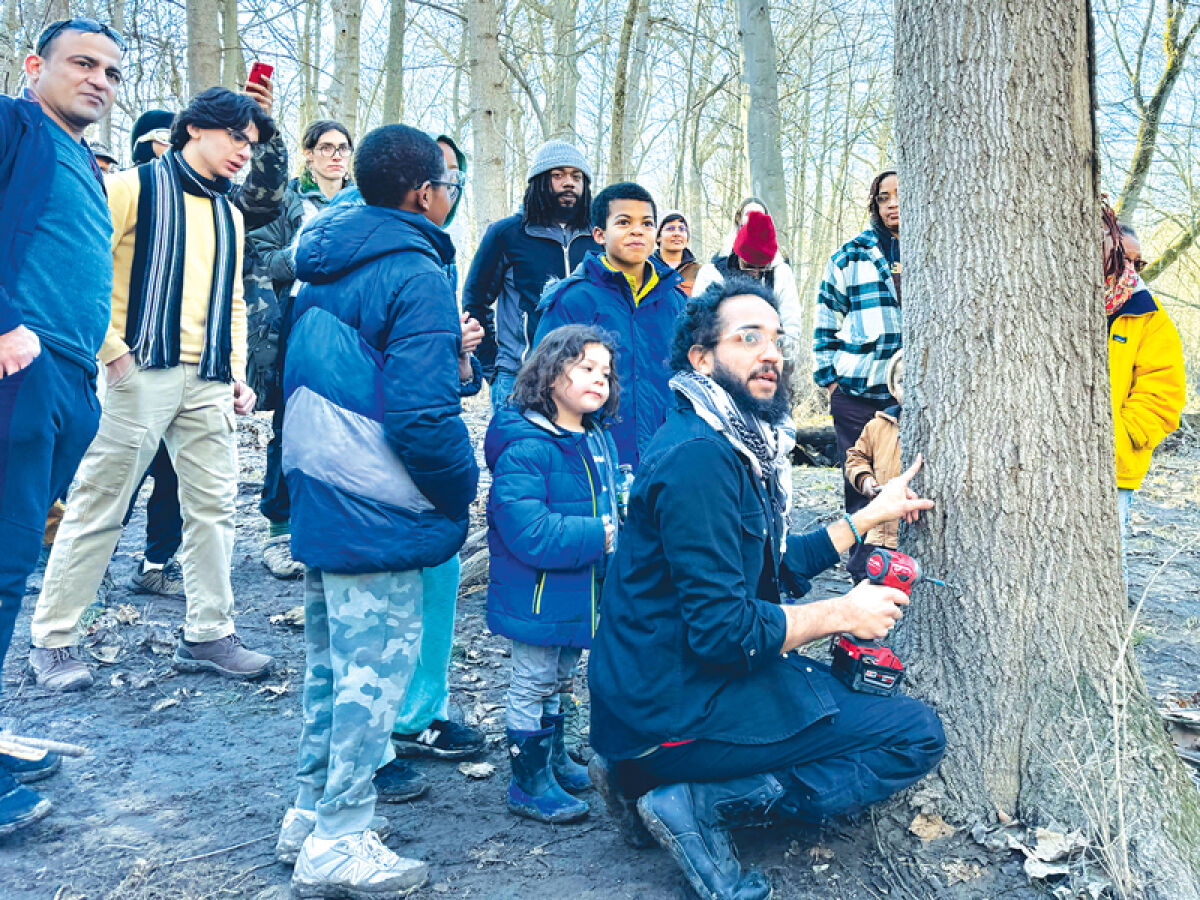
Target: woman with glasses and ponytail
(271, 286)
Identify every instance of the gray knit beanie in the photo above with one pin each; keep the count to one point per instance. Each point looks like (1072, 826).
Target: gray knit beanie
(556, 155)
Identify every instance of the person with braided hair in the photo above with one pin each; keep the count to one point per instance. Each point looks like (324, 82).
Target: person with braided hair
(1145, 364)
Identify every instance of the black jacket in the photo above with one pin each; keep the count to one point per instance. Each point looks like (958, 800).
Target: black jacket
(690, 631)
(512, 266)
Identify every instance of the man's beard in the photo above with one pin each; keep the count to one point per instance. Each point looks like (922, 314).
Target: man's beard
(564, 209)
(771, 411)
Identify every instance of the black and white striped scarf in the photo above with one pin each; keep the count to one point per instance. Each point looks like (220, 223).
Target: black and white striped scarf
(767, 446)
(156, 277)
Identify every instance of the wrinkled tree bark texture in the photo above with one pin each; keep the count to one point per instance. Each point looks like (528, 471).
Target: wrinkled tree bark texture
(203, 45)
(1027, 657)
(487, 104)
(761, 74)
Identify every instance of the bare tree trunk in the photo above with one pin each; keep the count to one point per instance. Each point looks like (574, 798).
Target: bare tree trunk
(561, 104)
(393, 94)
(617, 157)
(204, 45)
(488, 105)
(11, 48)
(1027, 658)
(347, 25)
(233, 64)
(762, 134)
(310, 62)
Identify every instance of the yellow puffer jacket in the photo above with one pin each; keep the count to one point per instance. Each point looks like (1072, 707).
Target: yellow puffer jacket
(1145, 363)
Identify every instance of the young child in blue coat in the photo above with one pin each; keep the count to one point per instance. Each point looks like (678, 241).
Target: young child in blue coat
(552, 522)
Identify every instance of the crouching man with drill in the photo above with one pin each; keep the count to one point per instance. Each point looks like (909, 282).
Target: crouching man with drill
(700, 703)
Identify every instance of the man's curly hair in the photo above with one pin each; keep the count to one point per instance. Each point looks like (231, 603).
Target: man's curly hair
(700, 321)
(557, 352)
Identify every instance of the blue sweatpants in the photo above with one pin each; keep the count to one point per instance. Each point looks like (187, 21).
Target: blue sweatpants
(49, 413)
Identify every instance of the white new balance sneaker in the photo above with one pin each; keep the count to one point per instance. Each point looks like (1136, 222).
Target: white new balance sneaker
(353, 867)
(298, 824)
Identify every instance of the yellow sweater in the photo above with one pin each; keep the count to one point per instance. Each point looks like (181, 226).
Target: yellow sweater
(200, 247)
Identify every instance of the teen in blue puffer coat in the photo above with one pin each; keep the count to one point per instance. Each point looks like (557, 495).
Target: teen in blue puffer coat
(552, 521)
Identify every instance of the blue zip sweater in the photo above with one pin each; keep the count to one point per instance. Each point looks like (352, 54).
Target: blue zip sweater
(550, 491)
(377, 458)
(595, 295)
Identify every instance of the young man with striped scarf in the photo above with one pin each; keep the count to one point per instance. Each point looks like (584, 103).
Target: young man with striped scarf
(175, 356)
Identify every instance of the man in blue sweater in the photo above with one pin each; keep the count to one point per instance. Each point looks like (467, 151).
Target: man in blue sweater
(53, 316)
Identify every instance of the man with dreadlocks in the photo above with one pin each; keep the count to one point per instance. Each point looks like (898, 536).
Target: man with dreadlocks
(545, 240)
(858, 322)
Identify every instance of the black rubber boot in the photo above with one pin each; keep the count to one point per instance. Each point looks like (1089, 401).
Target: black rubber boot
(534, 792)
(571, 776)
(691, 822)
(621, 802)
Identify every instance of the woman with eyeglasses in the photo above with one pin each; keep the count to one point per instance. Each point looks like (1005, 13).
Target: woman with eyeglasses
(271, 282)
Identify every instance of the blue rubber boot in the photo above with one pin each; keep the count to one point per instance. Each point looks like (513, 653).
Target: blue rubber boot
(570, 775)
(19, 806)
(29, 770)
(534, 793)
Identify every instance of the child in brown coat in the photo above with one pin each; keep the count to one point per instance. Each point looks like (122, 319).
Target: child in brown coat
(874, 461)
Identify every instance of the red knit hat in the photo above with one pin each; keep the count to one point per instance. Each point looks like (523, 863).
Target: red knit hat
(755, 243)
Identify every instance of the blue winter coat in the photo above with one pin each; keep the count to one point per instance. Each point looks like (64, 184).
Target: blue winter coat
(595, 295)
(378, 462)
(545, 528)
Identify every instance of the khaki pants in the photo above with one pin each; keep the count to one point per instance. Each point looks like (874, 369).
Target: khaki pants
(194, 418)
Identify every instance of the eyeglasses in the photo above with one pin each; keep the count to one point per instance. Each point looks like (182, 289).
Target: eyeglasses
(239, 138)
(675, 229)
(453, 188)
(756, 342)
(157, 135)
(329, 151)
(753, 271)
(91, 26)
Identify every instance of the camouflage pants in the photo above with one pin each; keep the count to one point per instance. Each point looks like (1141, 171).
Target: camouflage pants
(362, 636)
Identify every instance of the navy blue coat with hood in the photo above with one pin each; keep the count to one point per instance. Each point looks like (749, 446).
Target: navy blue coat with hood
(596, 295)
(550, 490)
(377, 458)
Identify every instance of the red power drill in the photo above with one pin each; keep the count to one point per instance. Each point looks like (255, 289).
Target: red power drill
(868, 666)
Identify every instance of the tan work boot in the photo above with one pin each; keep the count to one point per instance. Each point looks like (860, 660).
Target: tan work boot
(225, 656)
(57, 669)
(277, 556)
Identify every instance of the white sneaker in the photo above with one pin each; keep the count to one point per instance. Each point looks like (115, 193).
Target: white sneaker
(356, 866)
(298, 824)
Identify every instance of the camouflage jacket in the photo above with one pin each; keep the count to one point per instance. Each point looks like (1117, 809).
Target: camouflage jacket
(260, 197)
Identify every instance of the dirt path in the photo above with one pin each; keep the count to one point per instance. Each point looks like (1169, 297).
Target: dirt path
(189, 775)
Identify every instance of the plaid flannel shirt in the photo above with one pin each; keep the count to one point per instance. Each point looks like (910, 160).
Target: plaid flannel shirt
(858, 326)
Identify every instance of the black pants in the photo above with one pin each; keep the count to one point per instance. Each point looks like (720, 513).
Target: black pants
(850, 415)
(867, 751)
(164, 521)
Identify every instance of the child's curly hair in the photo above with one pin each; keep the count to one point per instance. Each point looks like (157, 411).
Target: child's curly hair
(557, 352)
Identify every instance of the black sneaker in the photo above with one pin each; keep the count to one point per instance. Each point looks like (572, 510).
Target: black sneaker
(441, 740)
(398, 782)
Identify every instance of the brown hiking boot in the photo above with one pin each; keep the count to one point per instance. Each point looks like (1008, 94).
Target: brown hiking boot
(225, 656)
(57, 669)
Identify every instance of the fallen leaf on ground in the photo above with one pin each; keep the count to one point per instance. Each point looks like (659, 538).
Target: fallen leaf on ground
(930, 828)
(274, 690)
(819, 852)
(1054, 845)
(105, 653)
(126, 614)
(1036, 869)
(294, 618)
(960, 871)
(477, 769)
(117, 680)
(159, 639)
(160, 705)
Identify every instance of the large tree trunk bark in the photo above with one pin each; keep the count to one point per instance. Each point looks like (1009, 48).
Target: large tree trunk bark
(618, 157)
(561, 104)
(488, 106)
(233, 64)
(347, 25)
(1027, 657)
(393, 94)
(310, 62)
(762, 134)
(204, 45)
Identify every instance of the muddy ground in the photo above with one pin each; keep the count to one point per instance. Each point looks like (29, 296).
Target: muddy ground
(189, 775)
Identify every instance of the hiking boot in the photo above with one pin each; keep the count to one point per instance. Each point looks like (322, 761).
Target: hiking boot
(356, 866)
(298, 824)
(277, 557)
(57, 669)
(398, 782)
(225, 656)
(443, 739)
(19, 806)
(166, 581)
(533, 792)
(570, 775)
(621, 804)
(692, 821)
(28, 771)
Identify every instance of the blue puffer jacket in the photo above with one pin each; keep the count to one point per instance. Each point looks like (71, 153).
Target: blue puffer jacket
(377, 458)
(550, 490)
(595, 295)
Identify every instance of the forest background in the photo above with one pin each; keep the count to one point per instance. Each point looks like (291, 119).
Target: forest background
(704, 103)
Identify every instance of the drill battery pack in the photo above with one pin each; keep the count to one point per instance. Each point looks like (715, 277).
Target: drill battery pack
(869, 668)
